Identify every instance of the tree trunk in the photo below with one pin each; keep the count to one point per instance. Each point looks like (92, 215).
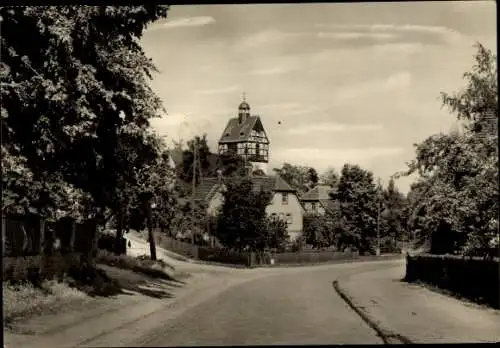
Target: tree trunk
(151, 237)
(119, 230)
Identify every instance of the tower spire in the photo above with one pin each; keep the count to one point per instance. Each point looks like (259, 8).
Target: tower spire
(244, 97)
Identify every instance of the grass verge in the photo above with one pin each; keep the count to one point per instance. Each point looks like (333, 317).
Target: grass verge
(142, 264)
(24, 299)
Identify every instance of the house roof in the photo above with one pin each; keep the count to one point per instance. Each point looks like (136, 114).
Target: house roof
(235, 132)
(271, 182)
(329, 204)
(318, 193)
(209, 186)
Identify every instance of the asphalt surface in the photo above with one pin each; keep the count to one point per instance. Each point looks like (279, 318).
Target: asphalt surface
(294, 306)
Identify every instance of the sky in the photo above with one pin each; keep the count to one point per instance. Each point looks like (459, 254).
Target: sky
(333, 83)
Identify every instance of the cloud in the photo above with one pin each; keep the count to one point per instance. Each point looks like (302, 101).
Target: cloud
(267, 36)
(399, 81)
(280, 106)
(355, 35)
(217, 90)
(183, 22)
(333, 127)
(447, 34)
(389, 53)
(277, 70)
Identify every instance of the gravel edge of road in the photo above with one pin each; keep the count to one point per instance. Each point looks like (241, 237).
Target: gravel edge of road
(386, 335)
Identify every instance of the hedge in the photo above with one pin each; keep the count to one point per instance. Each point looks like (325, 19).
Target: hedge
(474, 278)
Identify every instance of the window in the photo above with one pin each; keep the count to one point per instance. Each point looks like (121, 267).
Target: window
(284, 198)
(313, 206)
(251, 148)
(289, 219)
(241, 148)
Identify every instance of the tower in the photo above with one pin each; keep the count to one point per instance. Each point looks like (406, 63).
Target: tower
(245, 136)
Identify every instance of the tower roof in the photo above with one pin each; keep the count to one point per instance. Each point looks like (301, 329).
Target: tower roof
(244, 105)
(236, 131)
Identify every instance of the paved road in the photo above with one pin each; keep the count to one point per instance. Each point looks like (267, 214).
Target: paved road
(292, 307)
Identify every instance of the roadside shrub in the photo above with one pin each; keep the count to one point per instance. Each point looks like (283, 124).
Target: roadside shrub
(23, 298)
(473, 278)
(156, 269)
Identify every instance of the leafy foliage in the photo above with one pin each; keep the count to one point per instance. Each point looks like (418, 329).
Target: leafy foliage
(357, 196)
(229, 164)
(243, 223)
(320, 231)
(74, 88)
(454, 204)
(330, 177)
(300, 178)
(393, 214)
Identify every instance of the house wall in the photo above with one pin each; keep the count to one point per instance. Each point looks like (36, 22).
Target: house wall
(276, 207)
(293, 207)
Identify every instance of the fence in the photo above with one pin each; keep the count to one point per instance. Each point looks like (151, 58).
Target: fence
(32, 246)
(252, 259)
(474, 278)
(311, 257)
(185, 249)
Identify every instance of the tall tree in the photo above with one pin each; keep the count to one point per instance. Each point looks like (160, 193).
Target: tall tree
(300, 178)
(357, 196)
(393, 213)
(457, 205)
(330, 177)
(243, 222)
(231, 165)
(313, 177)
(74, 80)
(199, 143)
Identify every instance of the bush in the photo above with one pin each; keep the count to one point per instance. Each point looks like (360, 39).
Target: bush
(23, 298)
(224, 256)
(108, 242)
(473, 278)
(144, 265)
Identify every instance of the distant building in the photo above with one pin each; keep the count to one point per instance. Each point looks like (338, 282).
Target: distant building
(318, 201)
(245, 136)
(285, 203)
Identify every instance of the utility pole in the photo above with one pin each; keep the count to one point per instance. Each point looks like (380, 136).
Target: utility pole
(195, 151)
(378, 216)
